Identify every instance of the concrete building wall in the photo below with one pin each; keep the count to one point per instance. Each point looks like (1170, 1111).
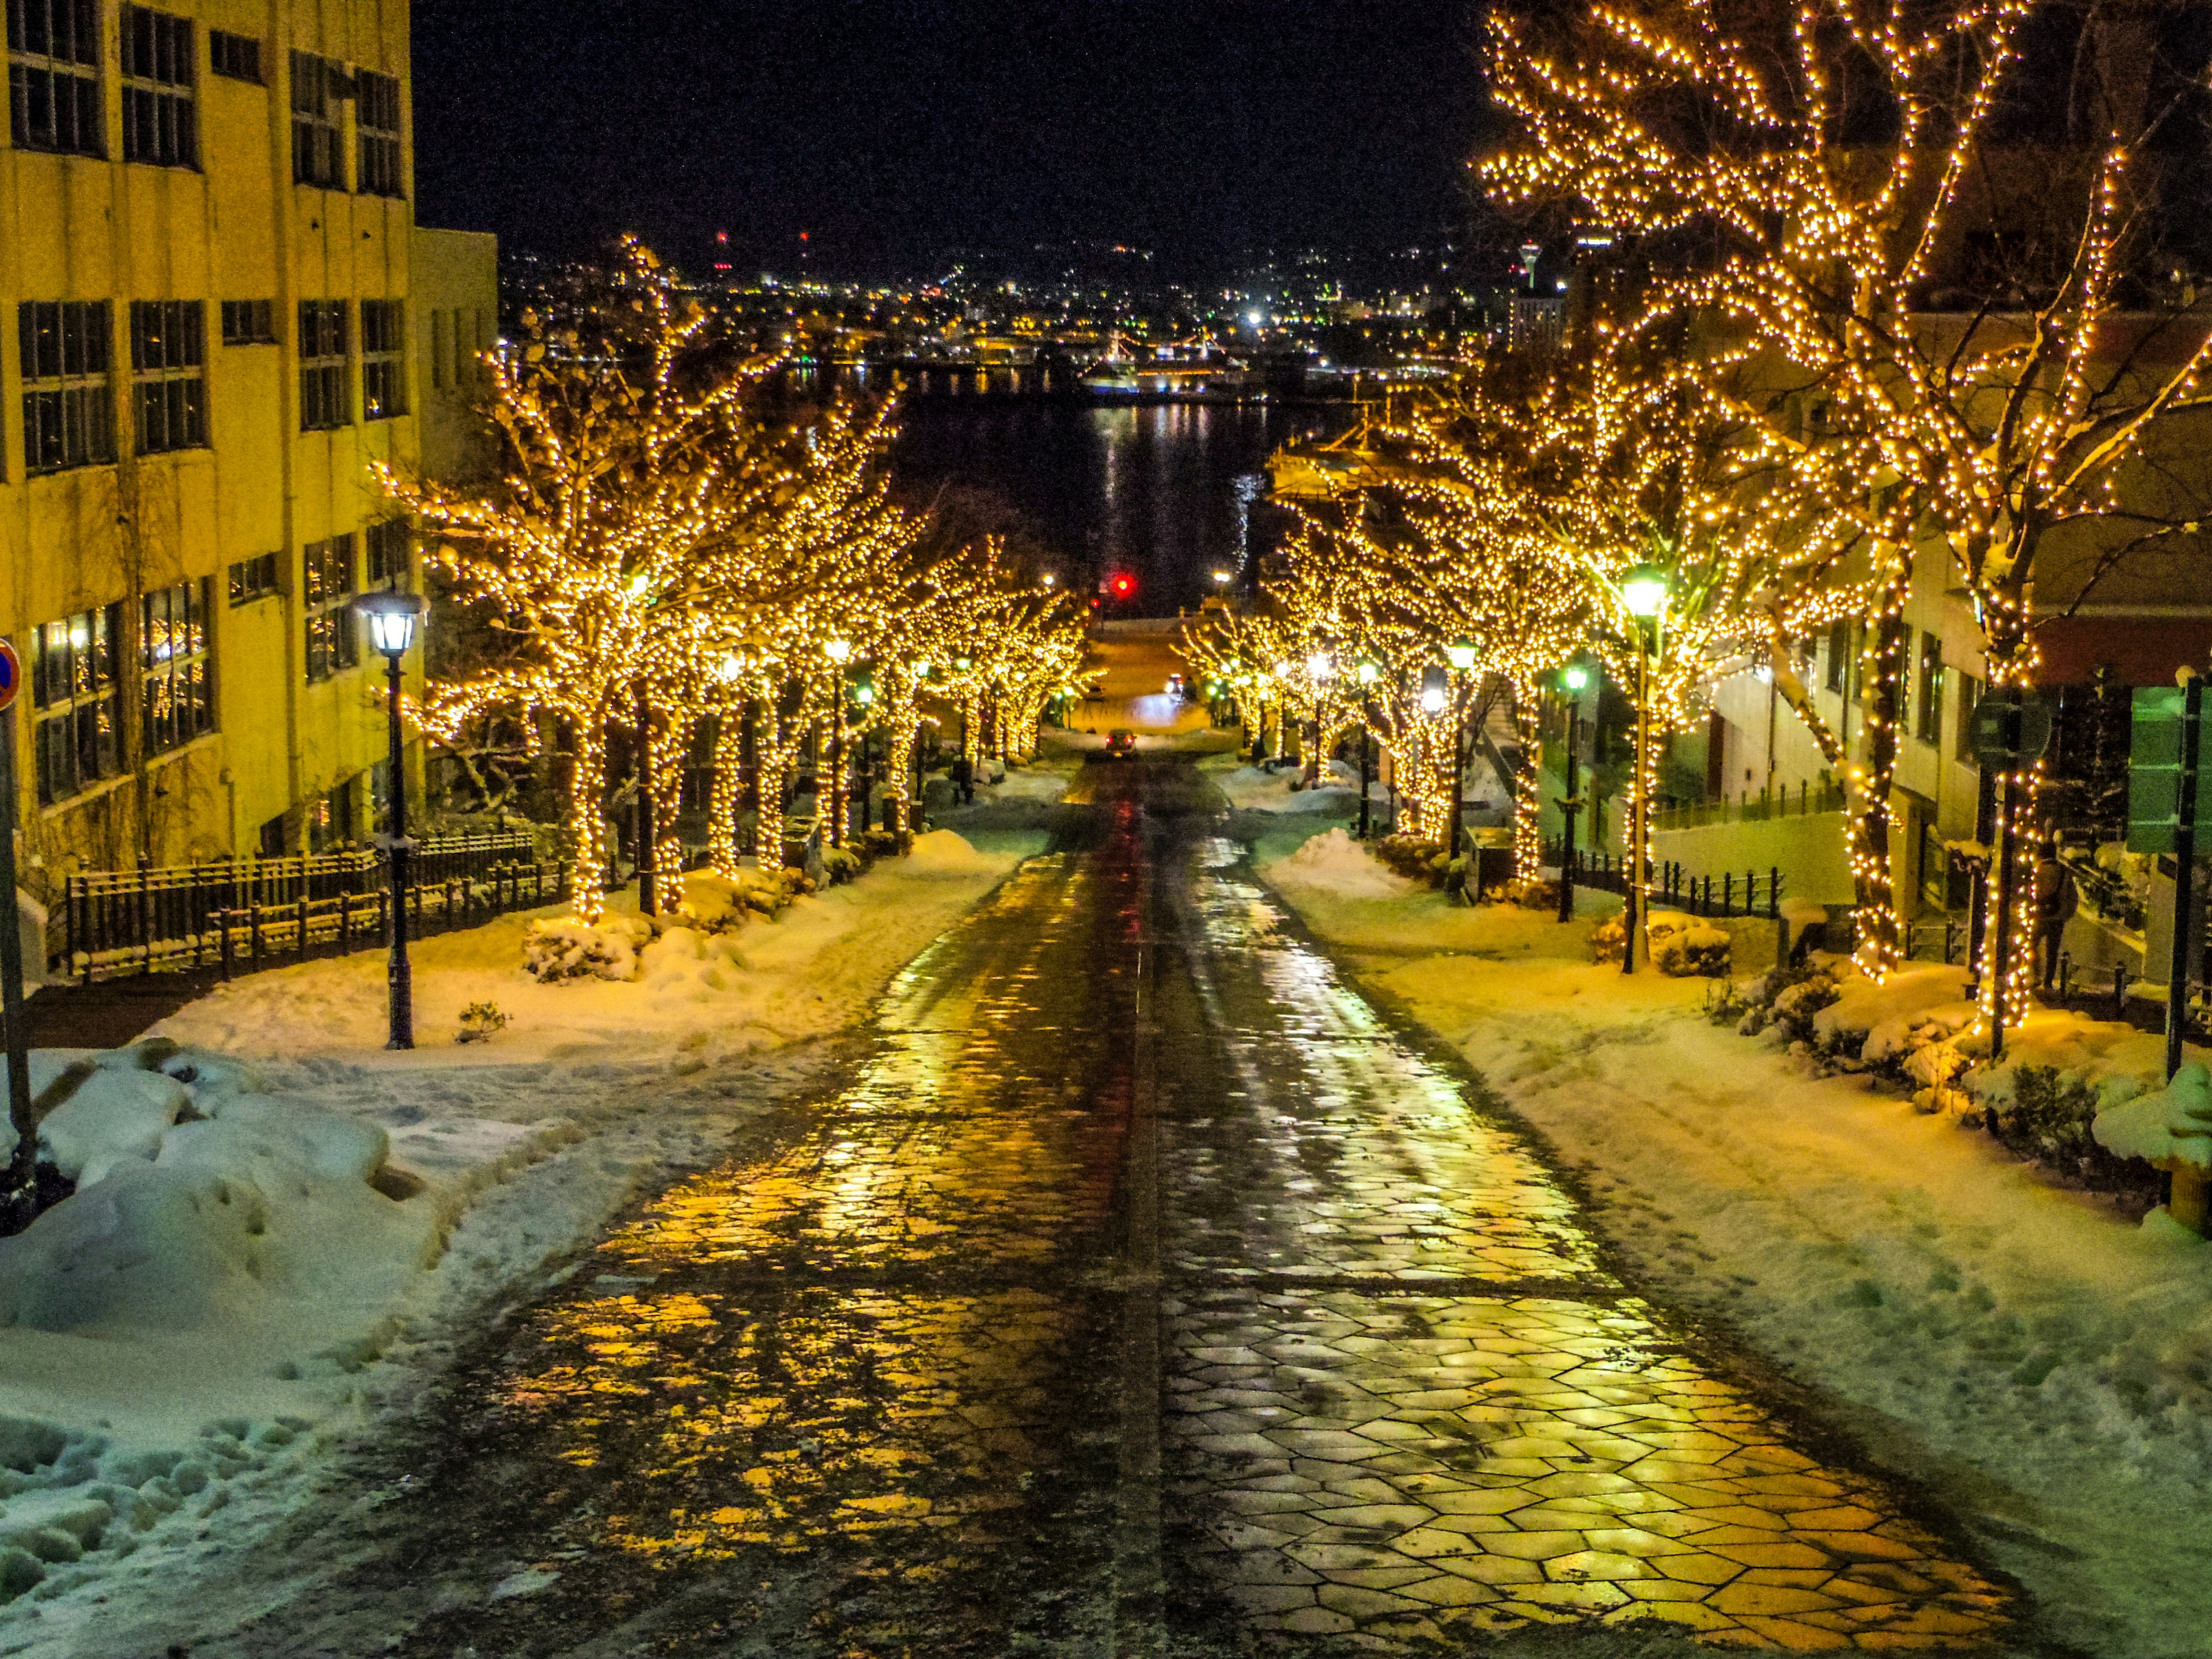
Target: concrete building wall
(287, 759)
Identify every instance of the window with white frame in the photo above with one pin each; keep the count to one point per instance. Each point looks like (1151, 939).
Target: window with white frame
(326, 597)
(77, 701)
(69, 413)
(376, 126)
(177, 684)
(319, 87)
(383, 365)
(325, 393)
(169, 371)
(160, 124)
(53, 76)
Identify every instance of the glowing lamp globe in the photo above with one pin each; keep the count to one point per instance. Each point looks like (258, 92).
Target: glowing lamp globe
(1574, 679)
(391, 620)
(1461, 654)
(1644, 591)
(1367, 673)
(1319, 665)
(838, 650)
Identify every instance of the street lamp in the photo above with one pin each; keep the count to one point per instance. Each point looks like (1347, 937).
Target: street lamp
(392, 617)
(1320, 669)
(840, 652)
(1644, 591)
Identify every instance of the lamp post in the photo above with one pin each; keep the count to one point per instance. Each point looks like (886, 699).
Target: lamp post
(392, 621)
(1571, 680)
(1461, 655)
(1644, 591)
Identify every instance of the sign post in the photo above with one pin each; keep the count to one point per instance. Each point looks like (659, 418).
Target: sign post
(2006, 731)
(22, 1170)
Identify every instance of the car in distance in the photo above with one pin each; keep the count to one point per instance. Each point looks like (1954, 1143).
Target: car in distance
(1175, 687)
(1121, 743)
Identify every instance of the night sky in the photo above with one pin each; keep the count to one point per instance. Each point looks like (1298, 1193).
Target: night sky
(899, 133)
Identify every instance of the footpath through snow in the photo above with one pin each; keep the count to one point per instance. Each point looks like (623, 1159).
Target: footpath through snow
(2035, 1353)
(280, 1230)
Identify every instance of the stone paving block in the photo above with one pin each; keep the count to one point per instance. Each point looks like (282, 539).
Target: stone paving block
(1695, 1614)
(1743, 1598)
(1533, 1545)
(1449, 1590)
(1795, 1634)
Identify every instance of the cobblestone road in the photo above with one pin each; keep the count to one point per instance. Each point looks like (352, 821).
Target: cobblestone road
(1143, 1294)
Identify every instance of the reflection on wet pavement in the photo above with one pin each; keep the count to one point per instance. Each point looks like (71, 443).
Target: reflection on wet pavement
(1357, 1450)
(871, 1391)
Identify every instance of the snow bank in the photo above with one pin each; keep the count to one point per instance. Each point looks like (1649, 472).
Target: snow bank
(2173, 1126)
(1257, 789)
(2040, 1359)
(941, 853)
(1333, 863)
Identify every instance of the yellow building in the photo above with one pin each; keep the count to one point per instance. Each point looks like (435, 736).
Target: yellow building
(223, 313)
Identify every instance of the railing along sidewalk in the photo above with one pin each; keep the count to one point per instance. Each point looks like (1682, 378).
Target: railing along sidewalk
(184, 917)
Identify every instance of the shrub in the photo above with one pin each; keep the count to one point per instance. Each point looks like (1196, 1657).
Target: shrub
(479, 1021)
(1607, 939)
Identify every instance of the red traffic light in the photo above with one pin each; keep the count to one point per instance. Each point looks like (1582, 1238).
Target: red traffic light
(1123, 585)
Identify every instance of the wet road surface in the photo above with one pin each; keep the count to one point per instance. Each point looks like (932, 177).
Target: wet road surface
(1144, 1293)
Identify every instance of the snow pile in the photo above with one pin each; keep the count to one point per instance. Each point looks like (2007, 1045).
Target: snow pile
(1031, 783)
(941, 855)
(1877, 1015)
(2173, 1126)
(1333, 863)
(198, 1200)
(1259, 789)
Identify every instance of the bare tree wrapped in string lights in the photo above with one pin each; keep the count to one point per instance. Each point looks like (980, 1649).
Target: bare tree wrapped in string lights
(1816, 175)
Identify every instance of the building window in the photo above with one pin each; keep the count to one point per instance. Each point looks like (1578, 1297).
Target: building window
(1839, 655)
(234, 56)
(384, 548)
(333, 637)
(53, 75)
(326, 398)
(249, 322)
(383, 371)
(318, 151)
(160, 124)
(253, 579)
(168, 383)
(68, 417)
(1970, 693)
(177, 692)
(1928, 709)
(78, 708)
(376, 119)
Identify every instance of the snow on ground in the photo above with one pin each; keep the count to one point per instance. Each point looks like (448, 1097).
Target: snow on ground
(1041, 783)
(2029, 1351)
(268, 1210)
(1258, 789)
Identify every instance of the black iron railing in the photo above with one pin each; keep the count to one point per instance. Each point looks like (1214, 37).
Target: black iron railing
(1731, 893)
(236, 913)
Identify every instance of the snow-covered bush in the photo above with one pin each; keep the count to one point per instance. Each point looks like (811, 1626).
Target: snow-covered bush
(1685, 947)
(840, 864)
(562, 949)
(1607, 940)
(1533, 893)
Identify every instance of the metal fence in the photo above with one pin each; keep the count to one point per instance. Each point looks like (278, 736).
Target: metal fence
(1827, 796)
(238, 912)
(1734, 893)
